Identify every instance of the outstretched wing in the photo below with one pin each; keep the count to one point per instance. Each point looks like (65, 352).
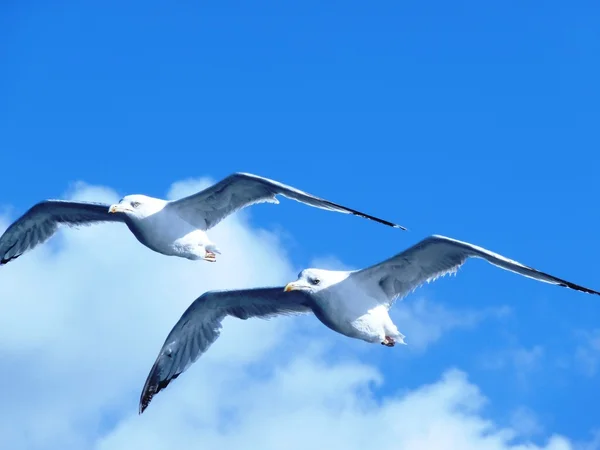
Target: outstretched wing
(200, 326)
(437, 256)
(42, 220)
(207, 208)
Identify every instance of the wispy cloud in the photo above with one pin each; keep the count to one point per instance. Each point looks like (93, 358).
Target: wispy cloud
(587, 353)
(525, 422)
(424, 322)
(522, 361)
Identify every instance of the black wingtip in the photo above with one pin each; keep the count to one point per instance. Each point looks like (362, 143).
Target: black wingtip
(378, 220)
(145, 401)
(385, 222)
(152, 387)
(4, 261)
(576, 287)
(363, 215)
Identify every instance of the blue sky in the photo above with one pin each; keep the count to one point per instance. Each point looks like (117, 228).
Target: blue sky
(477, 121)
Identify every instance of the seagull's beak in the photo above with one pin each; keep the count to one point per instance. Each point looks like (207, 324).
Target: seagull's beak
(291, 287)
(115, 209)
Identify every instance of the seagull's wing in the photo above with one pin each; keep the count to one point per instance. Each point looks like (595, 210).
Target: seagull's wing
(200, 326)
(437, 256)
(207, 208)
(42, 220)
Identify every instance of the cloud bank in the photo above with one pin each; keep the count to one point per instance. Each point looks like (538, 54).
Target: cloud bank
(84, 316)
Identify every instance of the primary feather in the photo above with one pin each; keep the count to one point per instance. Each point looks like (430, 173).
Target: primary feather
(42, 220)
(437, 256)
(207, 208)
(200, 326)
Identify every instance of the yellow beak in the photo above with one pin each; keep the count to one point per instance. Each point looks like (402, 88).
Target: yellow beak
(117, 209)
(290, 287)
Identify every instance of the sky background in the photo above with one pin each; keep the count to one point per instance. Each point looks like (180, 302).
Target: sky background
(475, 120)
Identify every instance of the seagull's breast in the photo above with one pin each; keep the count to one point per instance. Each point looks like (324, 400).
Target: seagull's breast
(348, 309)
(167, 233)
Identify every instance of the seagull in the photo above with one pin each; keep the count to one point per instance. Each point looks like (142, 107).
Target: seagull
(353, 303)
(173, 228)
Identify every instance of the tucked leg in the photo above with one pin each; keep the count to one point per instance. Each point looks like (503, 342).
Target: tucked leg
(392, 333)
(388, 341)
(210, 256)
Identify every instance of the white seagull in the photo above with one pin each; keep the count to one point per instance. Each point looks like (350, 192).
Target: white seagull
(353, 303)
(174, 228)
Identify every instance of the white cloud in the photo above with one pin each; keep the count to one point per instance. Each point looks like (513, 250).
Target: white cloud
(183, 188)
(310, 403)
(82, 321)
(330, 262)
(81, 326)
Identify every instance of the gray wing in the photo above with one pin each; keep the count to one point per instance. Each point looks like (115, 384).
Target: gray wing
(42, 220)
(207, 208)
(200, 326)
(437, 256)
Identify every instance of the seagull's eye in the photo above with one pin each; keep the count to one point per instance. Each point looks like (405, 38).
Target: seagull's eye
(315, 281)
(135, 204)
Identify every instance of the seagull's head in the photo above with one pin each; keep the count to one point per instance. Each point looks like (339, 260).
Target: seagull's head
(137, 206)
(314, 280)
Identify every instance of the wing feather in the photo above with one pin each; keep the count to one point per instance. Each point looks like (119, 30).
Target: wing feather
(200, 326)
(437, 256)
(43, 219)
(207, 208)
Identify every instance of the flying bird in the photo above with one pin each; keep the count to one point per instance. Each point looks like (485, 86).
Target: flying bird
(174, 228)
(353, 303)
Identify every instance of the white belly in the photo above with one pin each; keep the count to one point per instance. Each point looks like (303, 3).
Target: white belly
(347, 309)
(168, 234)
